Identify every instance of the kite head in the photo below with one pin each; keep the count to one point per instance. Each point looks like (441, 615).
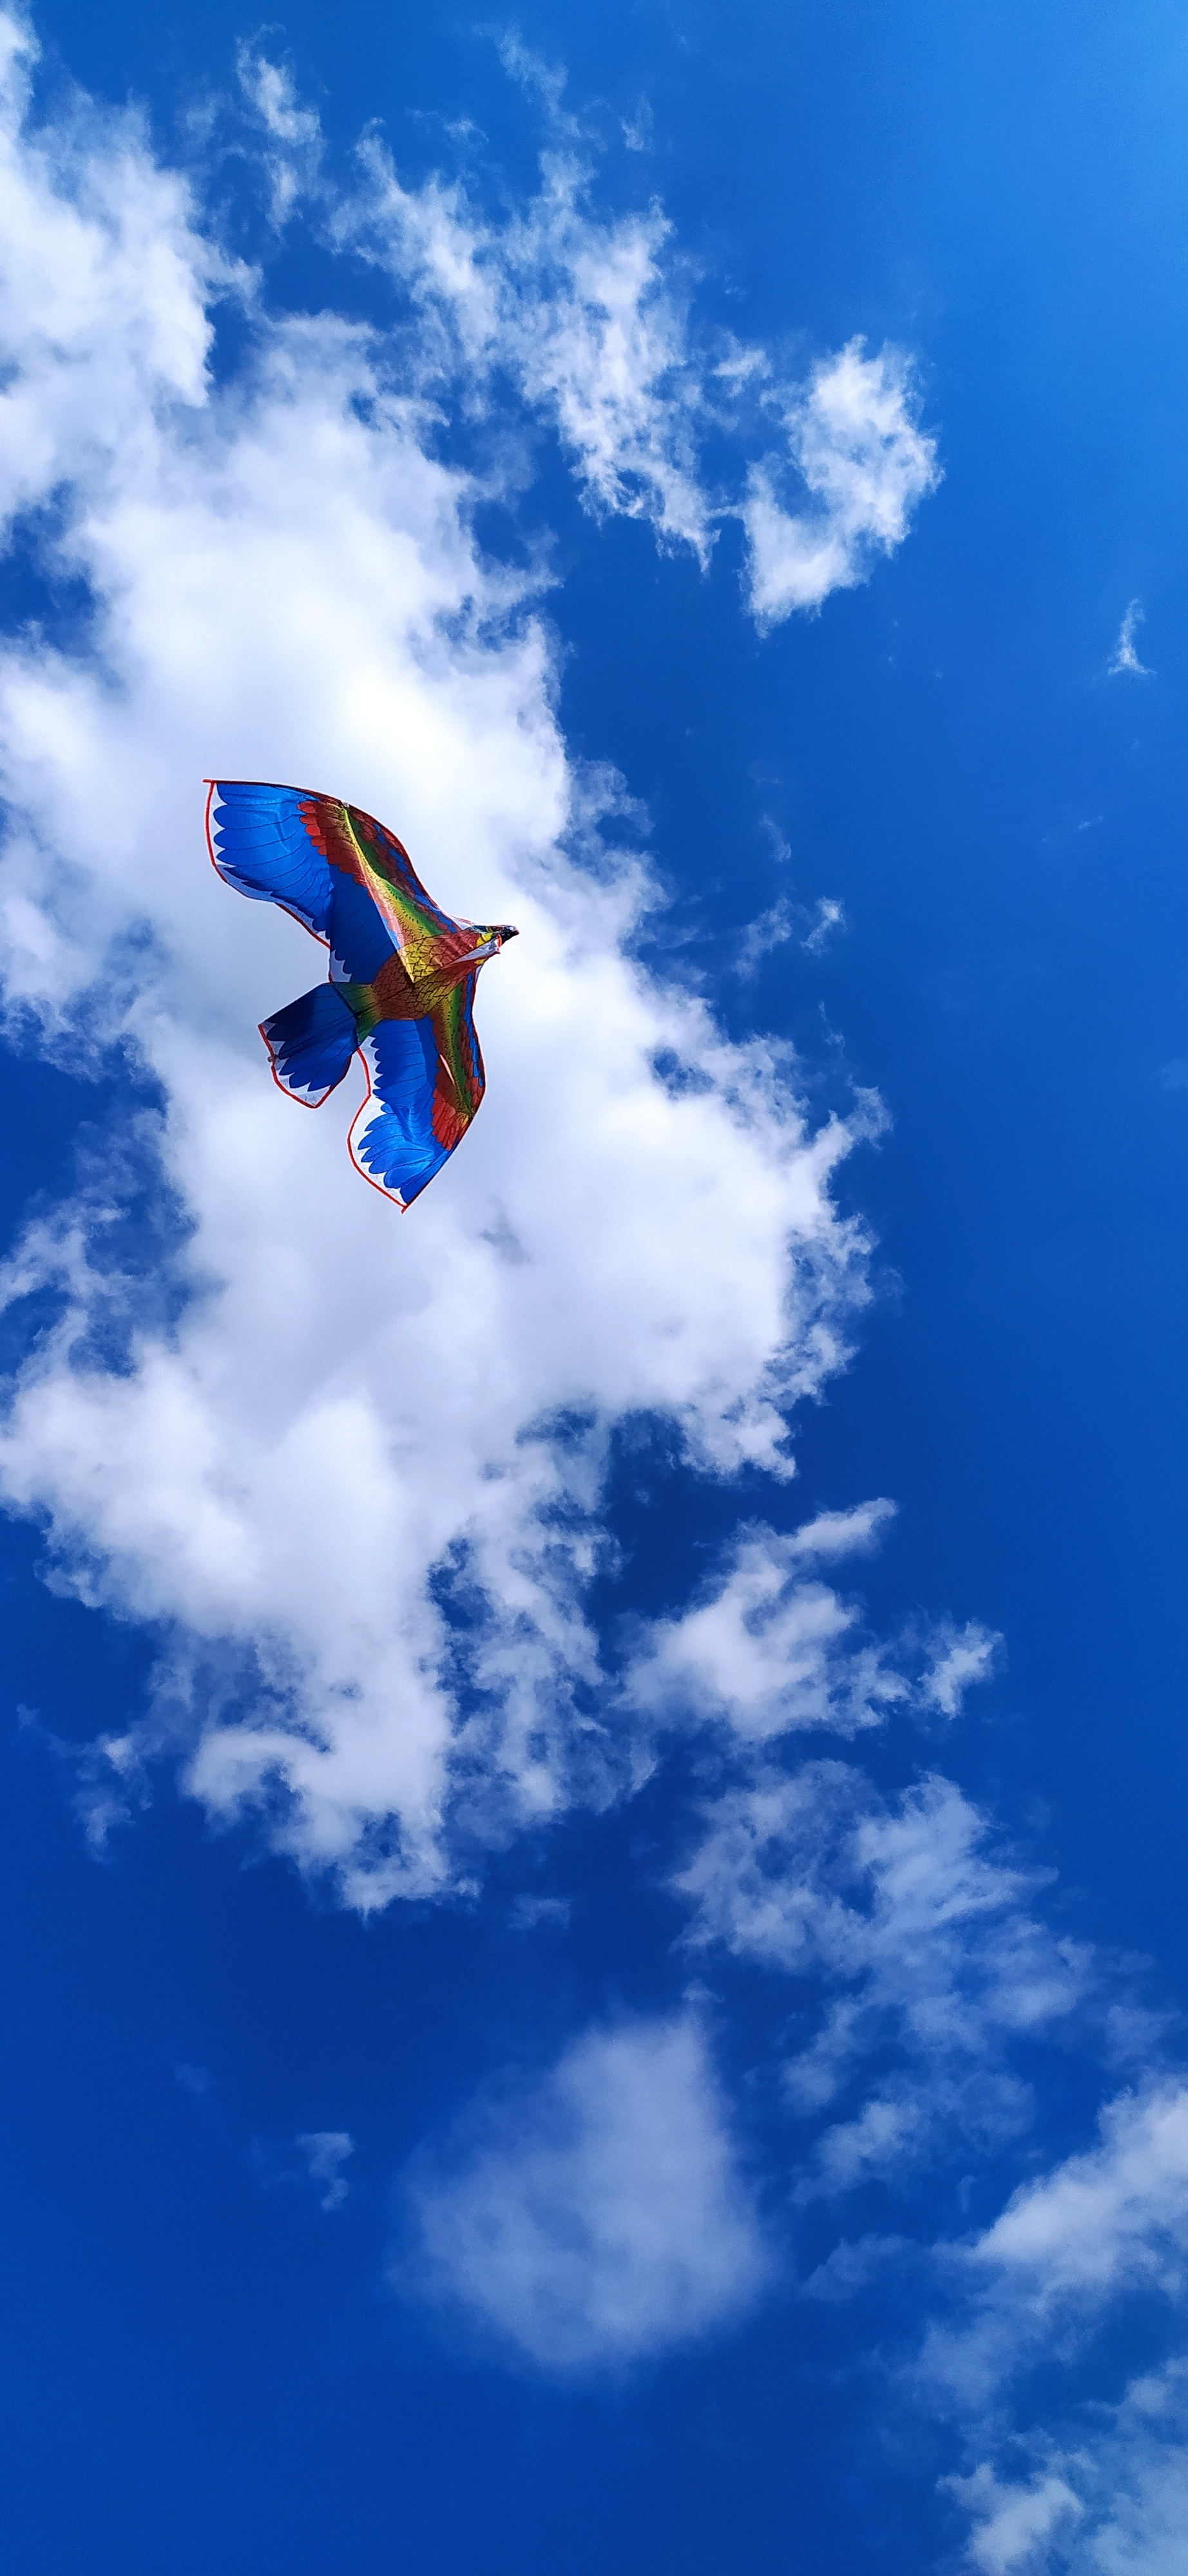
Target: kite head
(491, 938)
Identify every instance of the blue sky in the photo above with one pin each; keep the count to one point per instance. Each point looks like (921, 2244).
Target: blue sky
(574, 1996)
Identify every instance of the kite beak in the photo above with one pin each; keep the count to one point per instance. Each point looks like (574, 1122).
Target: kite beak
(507, 932)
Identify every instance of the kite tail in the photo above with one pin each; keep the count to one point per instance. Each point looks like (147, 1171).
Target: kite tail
(311, 1044)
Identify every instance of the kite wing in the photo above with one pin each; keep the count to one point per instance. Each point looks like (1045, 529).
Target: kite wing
(425, 1081)
(261, 845)
(339, 872)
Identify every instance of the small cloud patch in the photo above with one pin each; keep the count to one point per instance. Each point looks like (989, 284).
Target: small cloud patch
(596, 2216)
(1125, 655)
(315, 2156)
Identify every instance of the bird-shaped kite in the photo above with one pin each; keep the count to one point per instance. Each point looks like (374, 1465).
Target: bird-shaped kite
(402, 975)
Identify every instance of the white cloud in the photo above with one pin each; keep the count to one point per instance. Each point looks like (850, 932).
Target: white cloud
(103, 284)
(1077, 2257)
(1125, 651)
(637, 128)
(783, 922)
(1132, 2474)
(294, 152)
(855, 441)
(325, 2152)
(529, 1912)
(1110, 2498)
(1107, 2219)
(588, 315)
(1011, 2523)
(830, 916)
(775, 1648)
(598, 2216)
(1035, 2318)
(334, 1407)
(928, 1957)
(770, 1650)
(962, 1657)
(541, 80)
(591, 317)
(316, 2157)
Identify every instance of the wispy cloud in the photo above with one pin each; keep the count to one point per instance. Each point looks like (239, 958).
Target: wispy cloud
(854, 441)
(1108, 2217)
(1125, 655)
(528, 1913)
(830, 916)
(316, 2158)
(1084, 2263)
(1107, 2496)
(1013, 2524)
(593, 317)
(325, 2153)
(774, 1648)
(931, 1960)
(638, 128)
(786, 923)
(293, 153)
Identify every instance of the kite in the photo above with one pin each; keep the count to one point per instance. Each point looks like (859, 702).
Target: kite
(402, 975)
